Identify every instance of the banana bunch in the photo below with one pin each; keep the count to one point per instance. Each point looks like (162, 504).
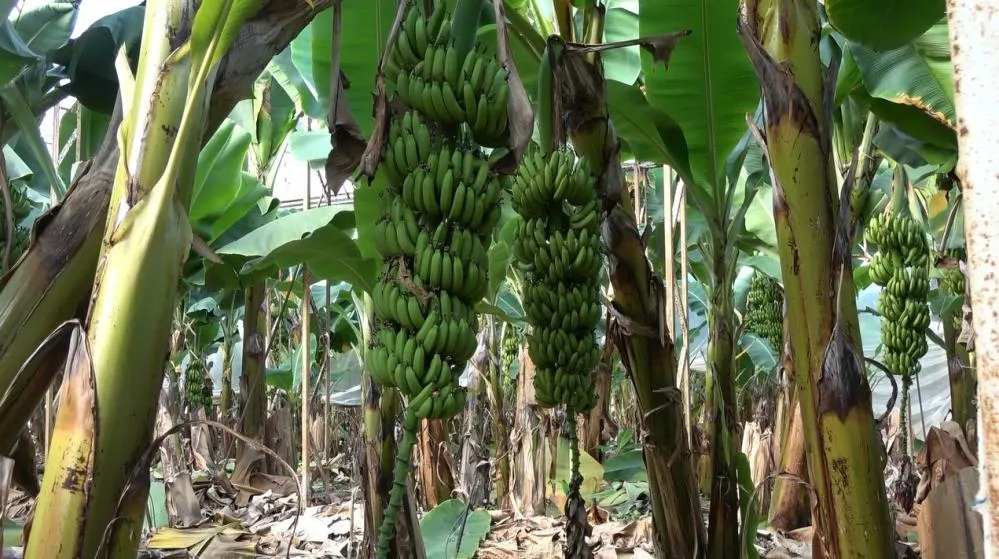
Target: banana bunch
(952, 279)
(905, 240)
(417, 32)
(574, 255)
(438, 215)
(20, 206)
(901, 268)
(197, 388)
(430, 75)
(765, 310)
(542, 183)
(568, 307)
(437, 220)
(558, 247)
(511, 346)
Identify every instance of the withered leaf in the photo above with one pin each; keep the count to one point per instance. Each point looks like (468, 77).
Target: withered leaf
(661, 46)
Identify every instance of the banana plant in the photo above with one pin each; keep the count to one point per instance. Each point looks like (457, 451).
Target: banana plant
(814, 235)
(145, 245)
(268, 118)
(709, 89)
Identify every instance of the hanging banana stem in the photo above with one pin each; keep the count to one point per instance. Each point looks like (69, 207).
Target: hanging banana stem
(576, 527)
(903, 424)
(901, 268)
(439, 212)
(403, 461)
(575, 478)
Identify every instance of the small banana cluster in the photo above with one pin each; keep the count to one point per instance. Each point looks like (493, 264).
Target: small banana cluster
(511, 346)
(197, 388)
(901, 268)
(952, 279)
(765, 310)
(20, 206)
(558, 246)
(430, 75)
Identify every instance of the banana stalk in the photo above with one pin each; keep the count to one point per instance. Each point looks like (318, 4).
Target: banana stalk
(723, 521)
(646, 351)
(960, 373)
(252, 388)
(844, 457)
(499, 425)
(147, 239)
(790, 500)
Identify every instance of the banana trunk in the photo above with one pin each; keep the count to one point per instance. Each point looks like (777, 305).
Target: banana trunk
(790, 503)
(499, 432)
(49, 285)
(646, 351)
(723, 519)
(844, 455)
(252, 385)
(961, 375)
(146, 241)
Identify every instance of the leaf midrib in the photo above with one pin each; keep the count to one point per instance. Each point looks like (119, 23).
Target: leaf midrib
(709, 99)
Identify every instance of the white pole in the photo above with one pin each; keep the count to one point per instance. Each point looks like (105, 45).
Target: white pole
(973, 27)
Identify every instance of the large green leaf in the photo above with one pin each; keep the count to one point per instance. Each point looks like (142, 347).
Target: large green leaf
(215, 28)
(311, 146)
(275, 120)
(651, 134)
(499, 262)
(709, 86)
(316, 237)
(591, 470)
(912, 151)
(627, 466)
(81, 131)
(884, 25)
(89, 59)
(918, 75)
(16, 167)
(48, 26)
(911, 120)
(621, 24)
(296, 364)
(16, 104)
(366, 26)
(14, 53)
(446, 523)
(282, 68)
(219, 163)
(243, 204)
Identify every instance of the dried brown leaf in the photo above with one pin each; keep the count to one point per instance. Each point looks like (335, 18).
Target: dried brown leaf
(660, 46)
(373, 151)
(519, 108)
(346, 139)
